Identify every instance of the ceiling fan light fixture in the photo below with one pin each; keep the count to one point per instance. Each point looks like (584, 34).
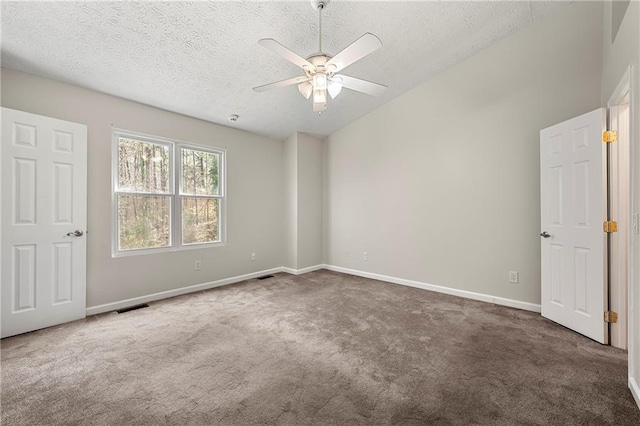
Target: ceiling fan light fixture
(320, 69)
(319, 96)
(319, 106)
(305, 89)
(334, 88)
(320, 81)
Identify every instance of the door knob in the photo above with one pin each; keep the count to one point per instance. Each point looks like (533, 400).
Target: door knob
(76, 233)
(545, 234)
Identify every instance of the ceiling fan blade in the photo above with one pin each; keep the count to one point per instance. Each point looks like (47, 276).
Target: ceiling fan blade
(360, 48)
(287, 54)
(359, 85)
(283, 83)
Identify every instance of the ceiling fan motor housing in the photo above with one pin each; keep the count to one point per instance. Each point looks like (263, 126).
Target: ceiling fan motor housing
(319, 63)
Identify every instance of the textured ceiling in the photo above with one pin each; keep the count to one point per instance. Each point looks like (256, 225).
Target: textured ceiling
(202, 59)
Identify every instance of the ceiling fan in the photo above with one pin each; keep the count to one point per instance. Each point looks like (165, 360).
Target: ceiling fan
(321, 70)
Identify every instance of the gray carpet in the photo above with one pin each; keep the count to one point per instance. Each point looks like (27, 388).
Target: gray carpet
(322, 348)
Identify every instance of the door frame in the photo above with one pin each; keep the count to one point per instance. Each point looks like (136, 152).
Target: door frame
(620, 204)
(625, 88)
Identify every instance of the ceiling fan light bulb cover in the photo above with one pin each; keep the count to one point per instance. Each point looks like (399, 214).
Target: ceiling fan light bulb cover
(319, 96)
(305, 89)
(334, 89)
(320, 81)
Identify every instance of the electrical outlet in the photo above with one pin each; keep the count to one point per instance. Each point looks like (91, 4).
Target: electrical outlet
(253, 256)
(346, 253)
(365, 256)
(198, 265)
(514, 277)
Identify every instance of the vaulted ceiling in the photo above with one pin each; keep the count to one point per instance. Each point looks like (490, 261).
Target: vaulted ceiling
(202, 59)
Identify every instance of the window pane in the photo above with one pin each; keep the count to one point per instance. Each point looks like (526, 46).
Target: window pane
(200, 220)
(143, 221)
(200, 172)
(143, 166)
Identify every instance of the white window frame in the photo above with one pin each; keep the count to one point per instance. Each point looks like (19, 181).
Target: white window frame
(175, 195)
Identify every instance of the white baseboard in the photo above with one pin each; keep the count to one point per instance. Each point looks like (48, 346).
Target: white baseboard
(303, 270)
(447, 290)
(635, 390)
(108, 307)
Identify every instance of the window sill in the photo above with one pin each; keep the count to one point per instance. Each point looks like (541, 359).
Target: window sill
(140, 252)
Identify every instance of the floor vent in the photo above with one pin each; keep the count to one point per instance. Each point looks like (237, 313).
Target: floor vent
(264, 277)
(132, 308)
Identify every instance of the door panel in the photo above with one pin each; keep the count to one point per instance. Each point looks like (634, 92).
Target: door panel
(63, 193)
(24, 277)
(44, 185)
(572, 212)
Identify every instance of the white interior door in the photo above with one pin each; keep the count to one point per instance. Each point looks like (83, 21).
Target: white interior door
(573, 203)
(44, 175)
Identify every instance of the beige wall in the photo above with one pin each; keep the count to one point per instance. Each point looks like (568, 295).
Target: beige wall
(618, 55)
(303, 194)
(441, 185)
(309, 201)
(254, 185)
(290, 191)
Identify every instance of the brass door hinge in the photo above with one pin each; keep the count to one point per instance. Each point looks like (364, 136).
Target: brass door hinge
(610, 226)
(609, 136)
(610, 316)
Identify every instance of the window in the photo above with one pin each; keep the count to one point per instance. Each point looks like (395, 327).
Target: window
(167, 195)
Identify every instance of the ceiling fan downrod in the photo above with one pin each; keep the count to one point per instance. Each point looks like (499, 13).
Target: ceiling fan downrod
(319, 5)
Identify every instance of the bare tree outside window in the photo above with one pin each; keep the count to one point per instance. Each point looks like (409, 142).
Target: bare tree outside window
(200, 173)
(146, 196)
